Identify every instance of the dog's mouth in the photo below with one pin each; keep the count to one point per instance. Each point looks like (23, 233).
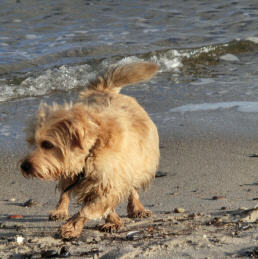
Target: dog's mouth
(28, 171)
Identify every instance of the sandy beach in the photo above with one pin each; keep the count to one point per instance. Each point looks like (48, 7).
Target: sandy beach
(204, 101)
(203, 199)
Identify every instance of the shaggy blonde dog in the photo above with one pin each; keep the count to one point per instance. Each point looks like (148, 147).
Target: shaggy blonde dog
(101, 149)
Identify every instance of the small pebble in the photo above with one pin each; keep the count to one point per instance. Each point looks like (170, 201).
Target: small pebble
(33, 240)
(42, 245)
(89, 239)
(2, 225)
(64, 252)
(19, 240)
(192, 215)
(179, 210)
(223, 208)
(97, 239)
(217, 220)
(133, 235)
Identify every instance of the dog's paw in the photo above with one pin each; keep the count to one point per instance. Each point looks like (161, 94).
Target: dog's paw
(58, 215)
(68, 231)
(140, 214)
(73, 227)
(109, 227)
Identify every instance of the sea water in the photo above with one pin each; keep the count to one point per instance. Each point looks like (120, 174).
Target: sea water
(207, 52)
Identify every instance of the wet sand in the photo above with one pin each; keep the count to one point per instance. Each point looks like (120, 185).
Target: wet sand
(210, 175)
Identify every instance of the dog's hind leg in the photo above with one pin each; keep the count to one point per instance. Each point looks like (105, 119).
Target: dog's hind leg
(61, 210)
(112, 222)
(134, 208)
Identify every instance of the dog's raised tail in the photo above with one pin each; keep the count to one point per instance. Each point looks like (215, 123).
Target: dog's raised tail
(119, 76)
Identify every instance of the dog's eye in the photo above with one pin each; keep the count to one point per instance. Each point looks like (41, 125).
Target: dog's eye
(47, 145)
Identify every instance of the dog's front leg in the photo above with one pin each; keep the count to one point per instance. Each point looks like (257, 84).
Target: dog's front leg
(73, 227)
(95, 209)
(61, 210)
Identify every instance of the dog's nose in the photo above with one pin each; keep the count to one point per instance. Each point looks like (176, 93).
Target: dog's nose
(26, 166)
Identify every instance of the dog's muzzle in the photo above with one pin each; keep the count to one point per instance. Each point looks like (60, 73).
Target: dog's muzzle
(26, 167)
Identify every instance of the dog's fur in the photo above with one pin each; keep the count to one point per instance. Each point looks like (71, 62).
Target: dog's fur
(108, 137)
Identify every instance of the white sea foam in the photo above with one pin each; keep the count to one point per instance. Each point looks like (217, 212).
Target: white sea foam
(253, 39)
(63, 79)
(4, 38)
(150, 30)
(17, 20)
(125, 33)
(230, 57)
(240, 106)
(81, 32)
(32, 36)
(170, 64)
(4, 130)
(170, 61)
(128, 60)
(70, 35)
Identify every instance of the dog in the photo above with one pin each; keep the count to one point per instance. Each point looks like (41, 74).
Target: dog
(102, 149)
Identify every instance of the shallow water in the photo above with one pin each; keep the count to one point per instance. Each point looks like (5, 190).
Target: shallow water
(207, 50)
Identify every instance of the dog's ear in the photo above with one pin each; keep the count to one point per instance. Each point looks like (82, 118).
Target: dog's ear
(43, 113)
(75, 133)
(83, 128)
(67, 131)
(83, 136)
(77, 137)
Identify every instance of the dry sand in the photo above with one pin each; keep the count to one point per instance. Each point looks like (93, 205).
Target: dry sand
(209, 177)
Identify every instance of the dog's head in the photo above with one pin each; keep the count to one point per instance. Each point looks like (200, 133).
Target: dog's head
(62, 137)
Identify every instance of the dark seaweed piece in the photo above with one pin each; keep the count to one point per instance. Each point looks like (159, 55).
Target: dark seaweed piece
(160, 174)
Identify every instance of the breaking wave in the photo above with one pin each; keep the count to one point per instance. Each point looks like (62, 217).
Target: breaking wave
(46, 75)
